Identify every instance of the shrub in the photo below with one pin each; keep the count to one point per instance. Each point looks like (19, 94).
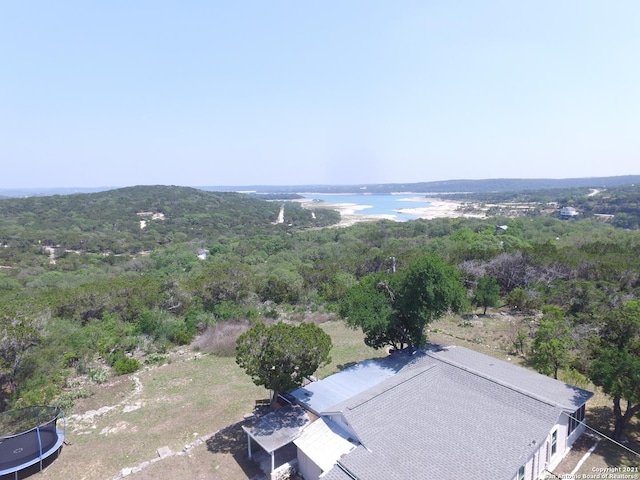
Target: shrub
(66, 400)
(163, 327)
(122, 364)
(41, 396)
(232, 311)
(521, 300)
(181, 334)
(572, 376)
(198, 320)
(70, 360)
(125, 365)
(156, 359)
(98, 375)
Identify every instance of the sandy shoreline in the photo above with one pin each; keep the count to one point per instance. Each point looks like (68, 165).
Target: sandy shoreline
(437, 209)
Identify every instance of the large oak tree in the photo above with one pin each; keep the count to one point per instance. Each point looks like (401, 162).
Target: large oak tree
(394, 309)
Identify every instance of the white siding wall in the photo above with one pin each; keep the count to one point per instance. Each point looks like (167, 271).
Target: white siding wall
(307, 468)
(342, 423)
(537, 464)
(562, 446)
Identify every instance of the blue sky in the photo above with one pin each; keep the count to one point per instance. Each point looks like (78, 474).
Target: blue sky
(336, 92)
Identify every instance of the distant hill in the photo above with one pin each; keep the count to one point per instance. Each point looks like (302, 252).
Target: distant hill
(446, 186)
(141, 218)
(30, 192)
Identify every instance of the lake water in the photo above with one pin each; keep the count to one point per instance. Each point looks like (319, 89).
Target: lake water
(376, 204)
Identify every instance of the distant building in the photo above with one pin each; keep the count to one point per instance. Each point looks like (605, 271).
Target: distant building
(568, 212)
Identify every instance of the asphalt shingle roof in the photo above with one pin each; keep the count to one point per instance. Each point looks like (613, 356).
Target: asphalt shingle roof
(337, 473)
(444, 417)
(526, 381)
(449, 413)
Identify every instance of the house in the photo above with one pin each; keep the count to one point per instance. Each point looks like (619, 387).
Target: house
(568, 212)
(441, 412)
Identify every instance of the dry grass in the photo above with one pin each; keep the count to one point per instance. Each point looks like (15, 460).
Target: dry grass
(185, 401)
(220, 339)
(317, 318)
(348, 348)
(177, 404)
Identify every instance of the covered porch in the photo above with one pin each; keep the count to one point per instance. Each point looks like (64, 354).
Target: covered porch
(276, 430)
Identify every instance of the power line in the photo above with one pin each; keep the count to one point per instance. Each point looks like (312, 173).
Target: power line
(602, 434)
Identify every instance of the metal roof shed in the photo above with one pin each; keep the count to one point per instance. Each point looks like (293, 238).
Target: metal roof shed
(323, 395)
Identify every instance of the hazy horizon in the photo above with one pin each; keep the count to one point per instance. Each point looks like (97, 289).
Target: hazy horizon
(338, 93)
(267, 187)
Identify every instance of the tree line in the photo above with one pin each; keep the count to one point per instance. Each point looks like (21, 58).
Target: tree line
(92, 310)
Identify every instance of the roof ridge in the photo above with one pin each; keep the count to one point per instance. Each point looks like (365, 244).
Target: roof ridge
(396, 382)
(407, 375)
(496, 381)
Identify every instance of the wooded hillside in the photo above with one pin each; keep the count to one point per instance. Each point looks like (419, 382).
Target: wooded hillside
(109, 222)
(84, 289)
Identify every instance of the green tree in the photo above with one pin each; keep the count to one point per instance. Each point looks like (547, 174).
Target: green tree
(223, 282)
(369, 305)
(282, 286)
(521, 300)
(487, 293)
(616, 364)
(279, 357)
(393, 309)
(19, 332)
(552, 343)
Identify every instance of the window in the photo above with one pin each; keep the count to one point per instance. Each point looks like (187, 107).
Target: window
(575, 418)
(554, 442)
(521, 473)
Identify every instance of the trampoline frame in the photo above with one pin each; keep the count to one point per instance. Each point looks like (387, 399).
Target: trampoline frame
(39, 455)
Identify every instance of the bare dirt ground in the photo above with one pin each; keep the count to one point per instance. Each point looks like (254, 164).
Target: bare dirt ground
(183, 419)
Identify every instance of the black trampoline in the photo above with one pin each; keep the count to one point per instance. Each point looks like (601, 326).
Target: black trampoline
(28, 436)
